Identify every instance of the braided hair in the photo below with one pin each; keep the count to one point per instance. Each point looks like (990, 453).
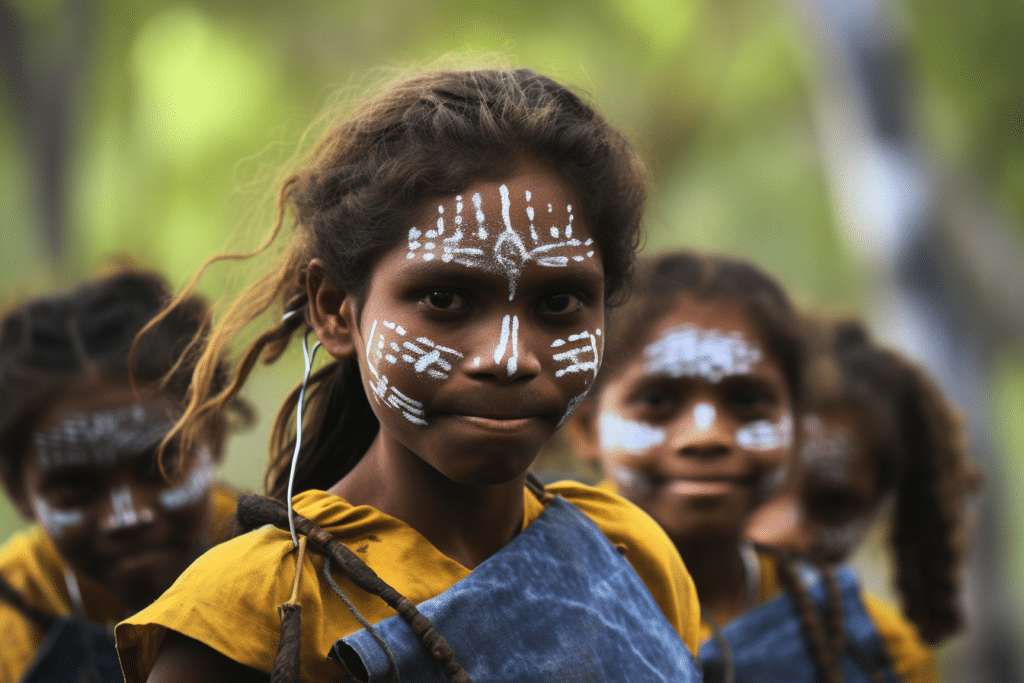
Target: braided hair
(922, 460)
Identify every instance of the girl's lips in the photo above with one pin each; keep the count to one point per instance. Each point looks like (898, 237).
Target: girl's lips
(495, 424)
(706, 487)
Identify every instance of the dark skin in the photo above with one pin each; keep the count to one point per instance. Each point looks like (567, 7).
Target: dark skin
(697, 479)
(455, 470)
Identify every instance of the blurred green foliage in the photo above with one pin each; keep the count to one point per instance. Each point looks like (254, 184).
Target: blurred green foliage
(183, 113)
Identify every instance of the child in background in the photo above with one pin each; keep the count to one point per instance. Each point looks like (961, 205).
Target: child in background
(692, 420)
(455, 244)
(78, 448)
(877, 428)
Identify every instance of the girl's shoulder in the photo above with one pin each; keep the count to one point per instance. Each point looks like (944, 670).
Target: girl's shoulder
(647, 548)
(912, 658)
(28, 564)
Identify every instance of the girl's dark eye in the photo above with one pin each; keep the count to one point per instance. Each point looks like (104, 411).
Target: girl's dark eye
(563, 302)
(445, 300)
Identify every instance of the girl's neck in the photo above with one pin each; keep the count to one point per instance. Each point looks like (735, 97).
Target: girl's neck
(720, 573)
(466, 523)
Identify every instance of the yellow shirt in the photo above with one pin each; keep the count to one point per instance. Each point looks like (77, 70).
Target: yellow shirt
(913, 660)
(228, 598)
(32, 566)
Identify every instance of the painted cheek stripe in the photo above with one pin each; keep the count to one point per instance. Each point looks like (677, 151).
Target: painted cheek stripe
(195, 486)
(763, 435)
(617, 434)
(572, 355)
(57, 521)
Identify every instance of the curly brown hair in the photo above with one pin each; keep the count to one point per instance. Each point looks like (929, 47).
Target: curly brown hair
(353, 197)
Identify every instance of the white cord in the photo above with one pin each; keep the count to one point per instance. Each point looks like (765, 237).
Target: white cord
(308, 357)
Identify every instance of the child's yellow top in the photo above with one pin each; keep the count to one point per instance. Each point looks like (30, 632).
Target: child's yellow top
(228, 598)
(32, 566)
(914, 661)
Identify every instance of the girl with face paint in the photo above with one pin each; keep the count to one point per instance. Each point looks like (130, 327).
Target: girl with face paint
(693, 421)
(78, 446)
(878, 429)
(455, 244)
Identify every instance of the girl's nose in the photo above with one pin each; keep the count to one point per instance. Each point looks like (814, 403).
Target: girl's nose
(127, 511)
(701, 431)
(507, 355)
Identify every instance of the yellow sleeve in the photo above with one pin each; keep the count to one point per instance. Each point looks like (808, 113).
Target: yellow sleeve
(648, 549)
(914, 661)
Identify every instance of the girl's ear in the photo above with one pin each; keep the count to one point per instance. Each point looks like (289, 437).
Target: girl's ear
(331, 312)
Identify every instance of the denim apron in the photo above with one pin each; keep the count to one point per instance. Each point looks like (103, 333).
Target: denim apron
(75, 651)
(768, 643)
(558, 603)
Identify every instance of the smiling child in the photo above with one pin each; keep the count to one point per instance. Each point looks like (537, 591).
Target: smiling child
(78, 450)
(455, 244)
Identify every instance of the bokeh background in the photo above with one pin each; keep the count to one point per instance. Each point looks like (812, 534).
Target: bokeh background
(869, 153)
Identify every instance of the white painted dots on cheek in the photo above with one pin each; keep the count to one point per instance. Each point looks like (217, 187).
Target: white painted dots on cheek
(508, 253)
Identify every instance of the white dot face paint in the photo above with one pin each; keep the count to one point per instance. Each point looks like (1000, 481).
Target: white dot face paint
(502, 251)
(703, 416)
(57, 522)
(619, 435)
(102, 438)
(194, 488)
(765, 435)
(690, 351)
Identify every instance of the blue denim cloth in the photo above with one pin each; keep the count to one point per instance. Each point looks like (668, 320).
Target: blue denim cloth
(63, 657)
(768, 642)
(558, 603)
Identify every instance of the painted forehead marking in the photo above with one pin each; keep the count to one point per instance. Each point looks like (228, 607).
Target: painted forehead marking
(101, 438)
(506, 253)
(690, 351)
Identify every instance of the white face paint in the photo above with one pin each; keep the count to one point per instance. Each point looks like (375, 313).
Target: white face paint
(689, 351)
(764, 435)
(389, 344)
(703, 416)
(619, 435)
(196, 485)
(571, 408)
(123, 514)
(103, 437)
(57, 521)
(508, 341)
(828, 451)
(579, 353)
(507, 252)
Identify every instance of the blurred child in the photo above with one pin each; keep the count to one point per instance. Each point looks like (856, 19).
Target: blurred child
(455, 243)
(692, 420)
(878, 429)
(78, 448)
